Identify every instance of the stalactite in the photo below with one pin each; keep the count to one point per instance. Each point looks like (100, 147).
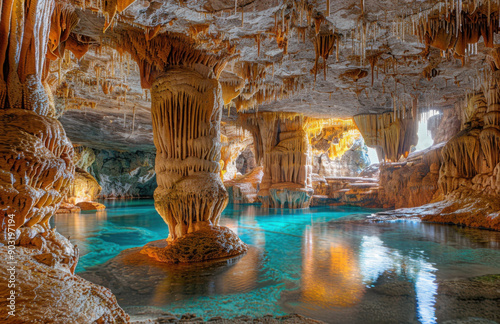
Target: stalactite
(390, 135)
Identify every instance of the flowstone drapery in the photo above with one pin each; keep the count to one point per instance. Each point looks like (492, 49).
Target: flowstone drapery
(282, 146)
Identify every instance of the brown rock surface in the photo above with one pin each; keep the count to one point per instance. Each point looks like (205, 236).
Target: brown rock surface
(36, 167)
(90, 205)
(207, 243)
(47, 292)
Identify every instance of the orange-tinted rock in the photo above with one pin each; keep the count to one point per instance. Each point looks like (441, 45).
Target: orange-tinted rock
(243, 190)
(66, 208)
(207, 243)
(47, 292)
(36, 167)
(282, 145)
(90, 205)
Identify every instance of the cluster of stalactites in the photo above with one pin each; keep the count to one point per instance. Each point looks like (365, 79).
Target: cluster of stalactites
(166, 50)
(456, 27)
(324, 44)
(186, 112)
(24, 31)
(391, 136)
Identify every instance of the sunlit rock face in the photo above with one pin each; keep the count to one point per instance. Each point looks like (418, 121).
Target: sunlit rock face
(281, 143)
(413, 182)
(349, 164)
(85, 187)
(36, 167)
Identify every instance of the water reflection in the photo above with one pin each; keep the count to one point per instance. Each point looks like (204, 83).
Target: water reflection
(330, 271)
(300, 261)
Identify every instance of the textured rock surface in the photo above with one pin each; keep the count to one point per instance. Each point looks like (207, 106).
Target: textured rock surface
(282, 146)
(90, 205)
(47, 291)
(472, 210)
(244, 189)
(206, 243)
(391, 134)
(349, 164)
(36, 167)
(411, 183)
(187, 164)
(125, 174)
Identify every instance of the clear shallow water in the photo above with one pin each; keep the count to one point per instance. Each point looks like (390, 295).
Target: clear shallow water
(301, 261)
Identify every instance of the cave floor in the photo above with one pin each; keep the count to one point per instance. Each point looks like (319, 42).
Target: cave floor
(319, 262)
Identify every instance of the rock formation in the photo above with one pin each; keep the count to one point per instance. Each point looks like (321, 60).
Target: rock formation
(282, 145)
(124, 174)
(186, 108)
(392, 134)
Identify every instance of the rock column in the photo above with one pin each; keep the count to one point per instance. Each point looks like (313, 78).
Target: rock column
(186, 111)
(283, 147)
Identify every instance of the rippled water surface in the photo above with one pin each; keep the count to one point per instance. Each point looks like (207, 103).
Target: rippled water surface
(307, 261)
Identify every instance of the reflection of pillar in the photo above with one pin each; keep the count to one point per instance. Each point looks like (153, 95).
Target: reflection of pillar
(186, 110)
(330, 273)
(282, 145)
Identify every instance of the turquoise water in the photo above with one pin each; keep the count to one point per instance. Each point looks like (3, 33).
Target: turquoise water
(309, 261)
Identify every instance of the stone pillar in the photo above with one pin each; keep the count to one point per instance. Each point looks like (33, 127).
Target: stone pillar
(283, 147)
(490, 135)
(186, 111)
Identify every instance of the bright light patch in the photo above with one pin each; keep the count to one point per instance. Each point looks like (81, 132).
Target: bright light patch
(424, 136)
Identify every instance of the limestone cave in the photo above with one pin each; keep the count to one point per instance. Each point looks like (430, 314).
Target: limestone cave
(250, 161)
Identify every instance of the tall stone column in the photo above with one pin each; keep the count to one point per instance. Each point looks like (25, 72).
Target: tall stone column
(283, 147)
(186, 111)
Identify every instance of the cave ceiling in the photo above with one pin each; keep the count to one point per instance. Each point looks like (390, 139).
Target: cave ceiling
(374, 64)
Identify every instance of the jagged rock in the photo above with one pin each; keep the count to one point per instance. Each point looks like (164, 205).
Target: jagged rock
(282, 144)
(390, 134)
(245, 162)
(207, 243)
(349, 164)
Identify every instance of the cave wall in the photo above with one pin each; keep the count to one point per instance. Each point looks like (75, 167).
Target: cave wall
(124, 174)
(350, 164)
